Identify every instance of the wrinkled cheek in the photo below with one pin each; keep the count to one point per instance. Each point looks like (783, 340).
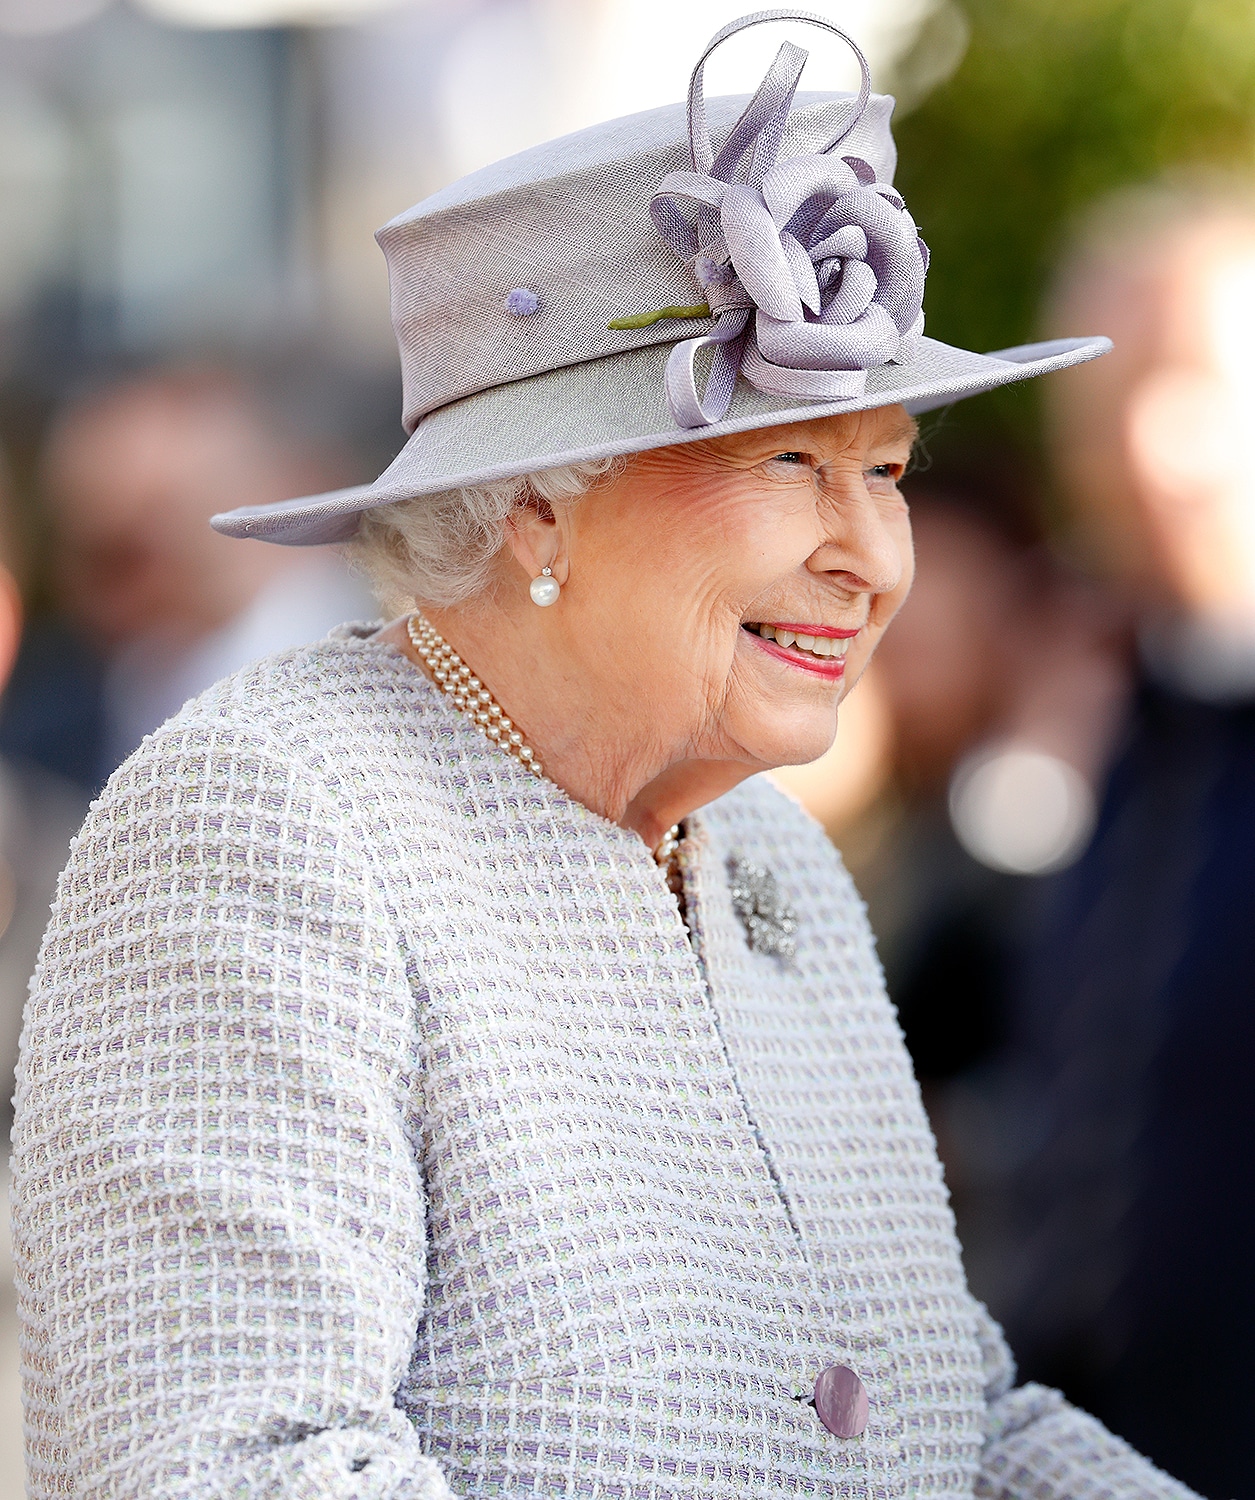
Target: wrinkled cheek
(860, 653)
(745, 681)
(678, 672)
(885, 606)
(723, 667)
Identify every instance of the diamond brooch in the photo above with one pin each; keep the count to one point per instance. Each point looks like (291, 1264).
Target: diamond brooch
(770, 922)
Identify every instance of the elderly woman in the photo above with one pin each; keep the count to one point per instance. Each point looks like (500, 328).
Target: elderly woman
(449, 1070)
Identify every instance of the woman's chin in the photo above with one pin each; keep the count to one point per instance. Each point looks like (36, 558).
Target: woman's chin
(794, 743)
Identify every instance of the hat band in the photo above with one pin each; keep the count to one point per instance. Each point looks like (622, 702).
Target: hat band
(813, 270)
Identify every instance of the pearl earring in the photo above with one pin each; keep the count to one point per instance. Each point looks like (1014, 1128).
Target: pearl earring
(545, 589)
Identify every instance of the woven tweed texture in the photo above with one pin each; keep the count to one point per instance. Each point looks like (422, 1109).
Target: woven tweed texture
(382, 1136)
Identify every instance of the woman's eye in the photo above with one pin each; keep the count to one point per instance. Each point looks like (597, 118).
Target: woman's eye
(884, 471)
(788, 458)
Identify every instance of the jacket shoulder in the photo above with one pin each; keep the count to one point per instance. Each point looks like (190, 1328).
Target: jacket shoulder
(326, 682)
(765, 820)
(759, 823)
(310, 708)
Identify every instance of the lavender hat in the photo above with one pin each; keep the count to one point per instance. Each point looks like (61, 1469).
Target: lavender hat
(550, 308)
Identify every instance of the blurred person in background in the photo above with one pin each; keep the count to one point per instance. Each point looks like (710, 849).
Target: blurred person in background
(1131, 1059)
(997, 698)
(942, 689)
(132, 472)
(945, 685)
(39, 814)
(1064, 886)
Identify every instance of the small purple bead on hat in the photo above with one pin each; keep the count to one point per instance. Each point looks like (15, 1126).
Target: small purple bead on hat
(522, 302)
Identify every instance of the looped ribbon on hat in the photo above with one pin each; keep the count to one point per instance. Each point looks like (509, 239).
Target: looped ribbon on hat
(813, 270)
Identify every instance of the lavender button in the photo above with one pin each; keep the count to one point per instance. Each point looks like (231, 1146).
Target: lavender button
(841, 1401)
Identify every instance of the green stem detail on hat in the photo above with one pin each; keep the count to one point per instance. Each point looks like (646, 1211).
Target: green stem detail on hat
(643, 320)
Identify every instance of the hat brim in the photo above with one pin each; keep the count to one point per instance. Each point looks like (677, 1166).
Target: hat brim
(613, 405)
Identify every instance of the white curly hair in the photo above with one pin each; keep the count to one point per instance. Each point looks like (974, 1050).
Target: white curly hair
(438, 549)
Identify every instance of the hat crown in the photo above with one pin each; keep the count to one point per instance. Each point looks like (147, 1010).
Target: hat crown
(814, 118)
(569, 221)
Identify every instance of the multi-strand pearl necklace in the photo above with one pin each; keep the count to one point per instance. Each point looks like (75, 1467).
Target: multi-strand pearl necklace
(467, 693)
(455, 679)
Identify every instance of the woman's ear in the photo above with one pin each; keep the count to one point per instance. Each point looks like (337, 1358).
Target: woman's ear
(537, 539)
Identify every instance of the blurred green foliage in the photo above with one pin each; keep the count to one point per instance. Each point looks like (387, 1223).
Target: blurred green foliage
(1056, 103)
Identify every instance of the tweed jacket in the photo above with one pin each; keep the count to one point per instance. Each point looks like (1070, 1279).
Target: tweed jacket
(382, 1133)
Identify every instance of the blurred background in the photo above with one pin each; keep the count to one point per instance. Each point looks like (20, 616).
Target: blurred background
(1045, 785)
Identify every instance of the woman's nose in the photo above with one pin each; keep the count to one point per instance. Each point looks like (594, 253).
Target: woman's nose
(860, 542)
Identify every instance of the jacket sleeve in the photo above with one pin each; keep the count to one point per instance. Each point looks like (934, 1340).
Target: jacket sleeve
(1038, 1447)
(218, 1211)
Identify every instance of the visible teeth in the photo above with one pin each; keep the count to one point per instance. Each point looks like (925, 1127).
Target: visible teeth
(825, 647)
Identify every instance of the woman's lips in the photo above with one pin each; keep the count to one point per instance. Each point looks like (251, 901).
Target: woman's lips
(820, 650)
(827, 632)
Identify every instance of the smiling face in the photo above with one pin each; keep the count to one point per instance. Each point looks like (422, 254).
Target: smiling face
(719, 598)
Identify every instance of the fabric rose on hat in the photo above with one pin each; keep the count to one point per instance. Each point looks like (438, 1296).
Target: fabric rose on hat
(812, 268)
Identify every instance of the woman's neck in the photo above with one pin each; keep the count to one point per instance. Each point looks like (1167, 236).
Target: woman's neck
(609, 761)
